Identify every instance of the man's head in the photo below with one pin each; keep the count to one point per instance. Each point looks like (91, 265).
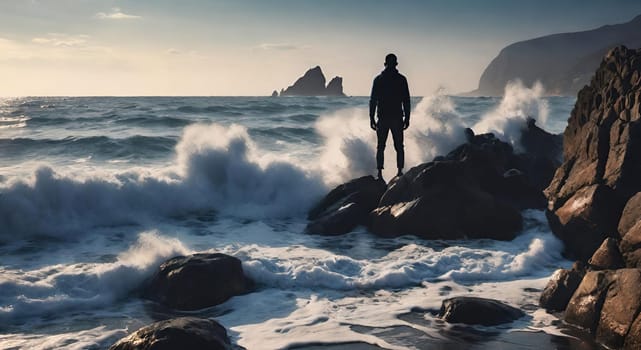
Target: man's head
(390, 60)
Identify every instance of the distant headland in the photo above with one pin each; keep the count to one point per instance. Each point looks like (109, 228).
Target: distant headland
(312, 83)
(563, 63)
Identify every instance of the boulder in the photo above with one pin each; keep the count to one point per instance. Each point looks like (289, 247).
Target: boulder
(621, 306)
(584, 308)
(461, 195)
(607, 257)
(601, 149)
(585, 220)
(197, 281)
(478, 311)
(177, 333)
(542, 154)
(631, 214)
(346, 206)
(561, 286)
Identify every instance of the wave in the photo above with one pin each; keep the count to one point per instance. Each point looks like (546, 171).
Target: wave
(137, 146)
(216, 168)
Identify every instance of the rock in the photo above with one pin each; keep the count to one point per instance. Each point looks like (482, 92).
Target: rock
(197, 281)
(335, 87)
(564, 63)
(177, 333)
(561, 286)
(631, 246)
(346, 206)
(621, 306)
(607, 257)
(631, 214)
(275, 93)
(542, 154)
(475, 191)
(601, 147)
(633, 338)
(312, 83)
(479, 311)
(584, 308)
(585, 220)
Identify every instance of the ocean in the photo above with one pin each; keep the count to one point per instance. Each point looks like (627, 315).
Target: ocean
(95, 192)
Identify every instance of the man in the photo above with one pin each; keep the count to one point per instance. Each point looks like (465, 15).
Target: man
(391, 97)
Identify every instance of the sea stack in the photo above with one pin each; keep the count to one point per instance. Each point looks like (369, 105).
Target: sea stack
(312, 83)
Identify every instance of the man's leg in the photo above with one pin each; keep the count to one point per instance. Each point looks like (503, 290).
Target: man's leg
(397, 136)
(381, 135)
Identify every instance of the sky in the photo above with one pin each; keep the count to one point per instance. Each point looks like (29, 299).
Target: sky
(252, 47)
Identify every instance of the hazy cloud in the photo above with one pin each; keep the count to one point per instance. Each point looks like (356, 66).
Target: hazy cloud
(62, 40)
(116, 13)
(282, 47)
(173, 52)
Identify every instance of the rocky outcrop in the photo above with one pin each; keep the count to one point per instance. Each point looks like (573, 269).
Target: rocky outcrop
(197, 281)
(602, 156)
(607, 257)
(478, 311)
(564, 63)
(274, 93)
(559, 290)
(177, 333)
(476, 191)
(346, 207)
(312, 83)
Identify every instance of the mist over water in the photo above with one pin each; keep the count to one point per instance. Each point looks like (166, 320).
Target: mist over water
(96, 192)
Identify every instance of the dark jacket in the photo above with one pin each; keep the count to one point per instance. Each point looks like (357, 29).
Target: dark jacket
(390, 96)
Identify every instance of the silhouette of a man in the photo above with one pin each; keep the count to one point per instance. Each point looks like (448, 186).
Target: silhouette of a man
(391, 99)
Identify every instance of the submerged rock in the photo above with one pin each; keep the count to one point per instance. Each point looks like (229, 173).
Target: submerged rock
(178, 333)
(197, 281)
(478, 311)
(346, 206)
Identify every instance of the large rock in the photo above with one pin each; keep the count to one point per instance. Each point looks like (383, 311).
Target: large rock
(197, 281)
(478, 311)
(607, 257)
(631, 246)
(564, 63)
(346, 206)
(475, 191)
(584, 308)
(177, 333)
(631, 214)
(312, 83)
(621, 306)
(602, 149)
(561, 286)
(633, 339)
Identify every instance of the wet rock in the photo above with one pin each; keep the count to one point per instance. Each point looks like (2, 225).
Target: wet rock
(478, 311)
(602, 148)
(346, 207)
(607, 257)
(177, 333)
(584, 308)
(561, 286)
(197, 281)
(621, 306)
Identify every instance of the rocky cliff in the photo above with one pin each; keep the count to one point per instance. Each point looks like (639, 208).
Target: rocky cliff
(312, 83)
(564, 63)
(594, 206)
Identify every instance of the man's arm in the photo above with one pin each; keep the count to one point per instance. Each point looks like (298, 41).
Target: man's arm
(406, 104)
(373, 102)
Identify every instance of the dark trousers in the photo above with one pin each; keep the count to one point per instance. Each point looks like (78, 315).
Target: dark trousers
(383, 128)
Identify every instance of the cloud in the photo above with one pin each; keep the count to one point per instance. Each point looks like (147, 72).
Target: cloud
(62, 40)
(115, 13)
(173, 51)
(282, 47)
